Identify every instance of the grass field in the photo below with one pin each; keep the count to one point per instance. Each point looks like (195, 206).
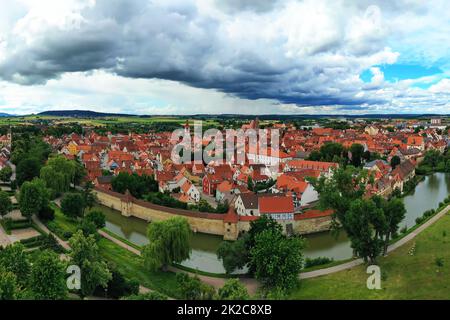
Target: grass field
(132, 267)
(410, 272)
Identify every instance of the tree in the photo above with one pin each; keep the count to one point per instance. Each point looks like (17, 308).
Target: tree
(169, 243)
(88, 227)
(5, 204)
(8, 285)
(315, 156)
(85, 254)
(48, 277)
(277, 259)
(368, 224)
(331, 150)
(89, 198)
(339, 191)
(33, 197)
(119, 286)
(357, 151)
(394, 212)
(234, 255)
(58, 173)
(97, 217)
(5, 174)
(137, 185)
(15, 260)
(191, 288)
(27, 170)
(233, 289)
(72, 204)
(395, 161)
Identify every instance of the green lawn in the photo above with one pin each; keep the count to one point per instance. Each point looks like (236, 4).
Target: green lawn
(404, 276)
(131, 266)
(61, 224)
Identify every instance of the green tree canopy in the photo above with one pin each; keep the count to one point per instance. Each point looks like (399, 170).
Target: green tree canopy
(233, 289)
(85, 254)
(5, 203)
(72, 204)
(27, 170)
(8, 285)
(5, 174)
(395, 161)
(169, 243)
(33, 197)
(14, 259)
(277, 259)
(48, 277)
(357, 151)
(137, 185)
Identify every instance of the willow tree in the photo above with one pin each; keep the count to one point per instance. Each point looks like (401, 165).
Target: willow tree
(169, 243)
(59, 173)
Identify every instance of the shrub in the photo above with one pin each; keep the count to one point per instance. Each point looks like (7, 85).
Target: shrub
(439, 262)
(119, 286)
(97, 217)
(153, 295)
(311, 262)
(46, 213)
(88, 227)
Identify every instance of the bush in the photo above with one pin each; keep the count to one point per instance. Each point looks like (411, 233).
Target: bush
(46, 213)
(153, 295)
(67, 235)
(119, 286)
(316, 261)
(439, 262)
(97, 217)
(88, 227)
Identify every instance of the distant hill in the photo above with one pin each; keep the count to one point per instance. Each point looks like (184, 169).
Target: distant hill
(5, 115)
(81, 114)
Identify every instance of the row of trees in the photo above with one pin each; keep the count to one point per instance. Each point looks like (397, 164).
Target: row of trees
(434, 161)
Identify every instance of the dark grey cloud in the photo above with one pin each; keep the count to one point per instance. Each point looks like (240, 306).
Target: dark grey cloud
(177, 41)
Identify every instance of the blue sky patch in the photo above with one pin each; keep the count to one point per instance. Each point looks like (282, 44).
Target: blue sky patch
(397, 72)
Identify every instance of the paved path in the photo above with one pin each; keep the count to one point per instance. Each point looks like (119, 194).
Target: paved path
(4, 239)
(396, 245)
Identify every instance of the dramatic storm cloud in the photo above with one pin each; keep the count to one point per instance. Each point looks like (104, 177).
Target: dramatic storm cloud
(181, 56)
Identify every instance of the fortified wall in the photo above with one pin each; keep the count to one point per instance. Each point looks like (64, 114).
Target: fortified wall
(228, 225)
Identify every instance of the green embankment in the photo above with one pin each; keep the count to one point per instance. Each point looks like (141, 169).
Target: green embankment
(418, 270)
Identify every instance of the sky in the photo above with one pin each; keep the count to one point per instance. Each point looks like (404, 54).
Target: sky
(225, 56)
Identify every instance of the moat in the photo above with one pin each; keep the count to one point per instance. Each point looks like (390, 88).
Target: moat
(427, 195)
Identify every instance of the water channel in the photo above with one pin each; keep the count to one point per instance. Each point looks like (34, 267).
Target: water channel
(427, 195)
